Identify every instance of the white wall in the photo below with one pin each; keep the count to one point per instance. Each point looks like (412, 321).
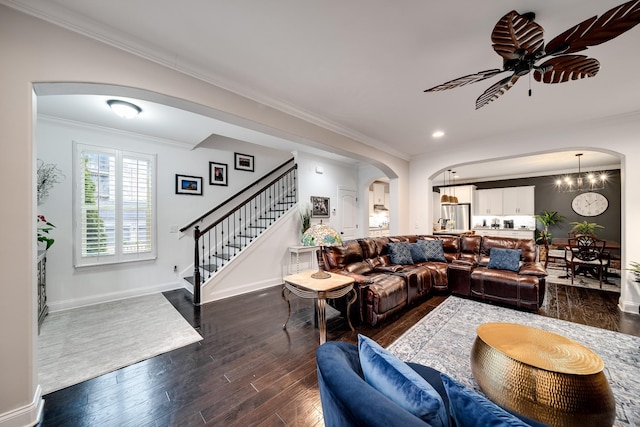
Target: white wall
(325, 184)
(69, 287)
(35, 51)
(595, 135)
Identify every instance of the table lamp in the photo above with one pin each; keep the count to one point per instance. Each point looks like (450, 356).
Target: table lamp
(321, 235)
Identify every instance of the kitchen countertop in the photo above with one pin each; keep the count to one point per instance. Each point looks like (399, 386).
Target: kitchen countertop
(505, 229)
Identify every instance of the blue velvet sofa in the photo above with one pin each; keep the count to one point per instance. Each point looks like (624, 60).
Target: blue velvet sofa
(349, 400)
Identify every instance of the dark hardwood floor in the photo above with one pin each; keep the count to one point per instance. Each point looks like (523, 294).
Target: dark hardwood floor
(247, 371)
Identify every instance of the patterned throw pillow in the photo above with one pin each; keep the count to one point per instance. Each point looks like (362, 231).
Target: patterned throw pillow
(504, 259)
(417, 253)
(433, 250)
(400, 253)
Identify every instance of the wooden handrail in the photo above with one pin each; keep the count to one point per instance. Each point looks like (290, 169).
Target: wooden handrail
(246, 200)
(248, 187)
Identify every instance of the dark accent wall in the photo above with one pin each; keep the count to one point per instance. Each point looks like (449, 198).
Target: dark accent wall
(547, 197)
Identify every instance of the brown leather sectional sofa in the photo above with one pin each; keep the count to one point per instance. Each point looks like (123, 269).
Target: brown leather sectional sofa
(385, 288)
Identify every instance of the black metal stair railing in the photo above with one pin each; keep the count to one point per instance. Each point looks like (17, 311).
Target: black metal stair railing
(218, 243)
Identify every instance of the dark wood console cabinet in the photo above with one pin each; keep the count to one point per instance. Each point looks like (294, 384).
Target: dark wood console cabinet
(42, 287)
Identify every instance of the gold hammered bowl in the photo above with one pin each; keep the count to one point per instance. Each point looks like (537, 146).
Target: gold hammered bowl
(542, 375)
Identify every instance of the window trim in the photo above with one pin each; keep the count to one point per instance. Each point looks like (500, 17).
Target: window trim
(119, 257)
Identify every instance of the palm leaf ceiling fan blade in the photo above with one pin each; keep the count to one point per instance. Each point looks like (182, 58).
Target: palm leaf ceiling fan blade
(516, 36)
(496, 91)
(465, 80)
(594, 31)
(567, 67)
(519, 41)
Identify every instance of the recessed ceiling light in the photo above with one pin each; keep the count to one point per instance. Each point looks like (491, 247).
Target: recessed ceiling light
(124, 109)
(437, 134)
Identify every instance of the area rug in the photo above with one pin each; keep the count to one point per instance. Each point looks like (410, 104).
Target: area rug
(558, 274)
(83, 343)
(443, 340)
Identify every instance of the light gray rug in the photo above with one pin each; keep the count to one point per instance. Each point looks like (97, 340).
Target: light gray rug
(443, 340)
(558, 275)
(83, 343)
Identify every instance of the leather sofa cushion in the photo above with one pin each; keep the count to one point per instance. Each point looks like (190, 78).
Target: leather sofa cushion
(470, 249)
(340, 256)
(373, 247)
(362, 267)
(532, 269)
(527, 246)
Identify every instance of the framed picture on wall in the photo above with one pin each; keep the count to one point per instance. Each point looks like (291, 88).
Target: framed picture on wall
(243, 162)
(319, 207)
(186, 184)
(218, 173)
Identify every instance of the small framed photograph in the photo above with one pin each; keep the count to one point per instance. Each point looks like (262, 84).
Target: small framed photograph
(186, 184)
(218, 173)
(319, 207)
(244, 162)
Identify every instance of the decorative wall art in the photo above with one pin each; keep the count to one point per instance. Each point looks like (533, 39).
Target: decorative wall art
(186, 184)
(319, 207)
(243, 162)
(218, 173)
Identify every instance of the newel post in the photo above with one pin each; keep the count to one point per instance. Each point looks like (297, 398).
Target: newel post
(196, 267)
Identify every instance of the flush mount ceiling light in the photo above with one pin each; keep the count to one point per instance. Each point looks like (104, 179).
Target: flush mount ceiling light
(437, 134)
(124, 109)
(589, 181)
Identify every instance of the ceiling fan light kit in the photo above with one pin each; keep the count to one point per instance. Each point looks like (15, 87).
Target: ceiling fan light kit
(518, 39)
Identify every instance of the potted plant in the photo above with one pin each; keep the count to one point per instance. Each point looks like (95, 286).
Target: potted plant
(305, 219)
(635, 269)
(585, 227)
(547, 219)
(44, 227)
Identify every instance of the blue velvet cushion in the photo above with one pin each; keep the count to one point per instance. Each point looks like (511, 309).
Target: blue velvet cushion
(401, 384)
(433, 250)
(504, 259)
(400, 253)
(417, 253)
(470, 409)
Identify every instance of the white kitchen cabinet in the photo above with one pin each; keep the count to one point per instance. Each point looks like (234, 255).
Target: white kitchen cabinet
(464, 193)
(488, 202)
(378, 194)
(518, 200)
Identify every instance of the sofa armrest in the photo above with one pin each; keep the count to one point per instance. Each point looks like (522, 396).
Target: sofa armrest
(389, 268)
(357, 278)
(532, 269)
(464, 262)
(459, 278)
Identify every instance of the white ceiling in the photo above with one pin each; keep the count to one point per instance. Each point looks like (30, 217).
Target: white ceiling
(360, 67)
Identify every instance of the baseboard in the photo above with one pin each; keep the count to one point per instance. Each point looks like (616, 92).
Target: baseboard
(629, 306)
(239, 290)
(25, 416)
(112, 296)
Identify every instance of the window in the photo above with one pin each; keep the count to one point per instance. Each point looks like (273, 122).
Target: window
(114, 206)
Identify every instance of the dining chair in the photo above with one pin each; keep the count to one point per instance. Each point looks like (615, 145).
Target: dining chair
(586, 253)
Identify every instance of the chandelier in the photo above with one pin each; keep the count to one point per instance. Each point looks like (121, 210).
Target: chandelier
(588, 181)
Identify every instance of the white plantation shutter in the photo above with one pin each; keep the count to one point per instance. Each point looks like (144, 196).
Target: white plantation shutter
(116, 206)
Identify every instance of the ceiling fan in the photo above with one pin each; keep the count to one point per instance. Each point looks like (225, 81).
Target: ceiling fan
(518, 39)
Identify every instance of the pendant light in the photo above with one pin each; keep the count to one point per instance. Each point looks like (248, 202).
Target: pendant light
(444, 198)
(453, 199)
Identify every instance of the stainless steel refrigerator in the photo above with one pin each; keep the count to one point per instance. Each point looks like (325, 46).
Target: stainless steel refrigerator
(459, 213)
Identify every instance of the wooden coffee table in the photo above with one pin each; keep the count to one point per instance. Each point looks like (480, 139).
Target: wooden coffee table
(304, 286)
(542, 375)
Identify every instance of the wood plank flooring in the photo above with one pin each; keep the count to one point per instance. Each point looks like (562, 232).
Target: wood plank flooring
(248, 371)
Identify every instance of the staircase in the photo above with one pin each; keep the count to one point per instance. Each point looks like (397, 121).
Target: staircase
(238, 221)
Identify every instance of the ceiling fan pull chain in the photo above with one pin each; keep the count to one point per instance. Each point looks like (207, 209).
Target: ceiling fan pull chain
(529, 82)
